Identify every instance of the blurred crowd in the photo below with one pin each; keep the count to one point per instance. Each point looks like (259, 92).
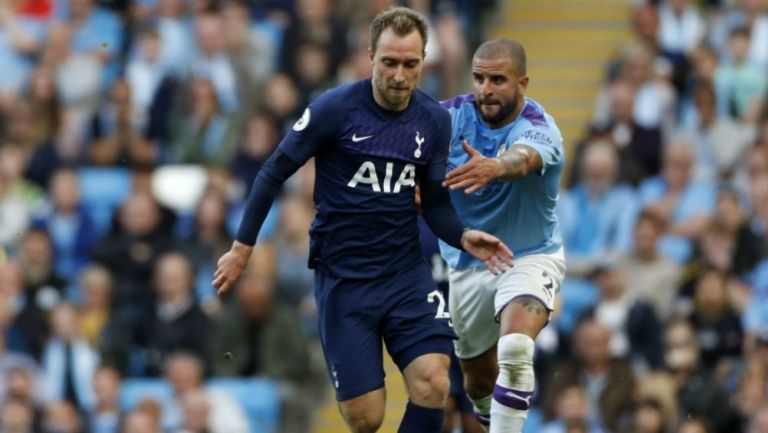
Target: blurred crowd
(130, 133)
(664, 319)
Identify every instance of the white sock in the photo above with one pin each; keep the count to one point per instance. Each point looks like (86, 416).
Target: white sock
(514, 386)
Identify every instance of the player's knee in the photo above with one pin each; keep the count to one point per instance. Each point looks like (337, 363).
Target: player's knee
(515, 351)
(431, 387)
(363, 421)
(431, 392)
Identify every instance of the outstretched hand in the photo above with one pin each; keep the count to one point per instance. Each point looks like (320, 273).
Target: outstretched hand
(496, 256)
(475, 173)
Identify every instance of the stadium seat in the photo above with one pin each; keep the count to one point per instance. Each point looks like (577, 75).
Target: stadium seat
(134, 390)
(259, 398)
(102, 191)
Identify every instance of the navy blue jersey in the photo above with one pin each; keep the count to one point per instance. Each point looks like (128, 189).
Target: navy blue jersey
(430, 249)
(368, 161)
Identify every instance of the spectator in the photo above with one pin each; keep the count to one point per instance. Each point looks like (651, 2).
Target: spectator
(572, 409)
(212, 62)
(10, 361)
(648, 418)
(260, 139)
(62, 417)
(24, 386)
(106, 414)
(72, 230)
(632, 322)
(638, 146)
(176, 321)
(184, 372)
(68, 361)
(649, 276)
(16, 417)
(743, 84)
(714, 159)
(44, 286)
(609, 382)
(207, 134)
(23, 322)
(130, 251)
(684, 204)
(698, 394)
(96, 305)
(597, 214)
(717, 326)
(264, 337)
(116, 132)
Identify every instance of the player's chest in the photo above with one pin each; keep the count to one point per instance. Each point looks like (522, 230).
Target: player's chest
(490, 143)
(413, 142)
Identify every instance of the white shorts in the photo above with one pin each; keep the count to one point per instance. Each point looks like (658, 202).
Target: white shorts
(477, 297)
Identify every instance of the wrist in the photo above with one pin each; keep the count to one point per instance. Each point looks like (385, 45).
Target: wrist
(241, 249)
(464, 235)
(500, 170)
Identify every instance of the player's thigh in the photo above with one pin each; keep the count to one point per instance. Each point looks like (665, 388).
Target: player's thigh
(349, 317)
(417, 320)
(471, 301)
(364, 413)
(526, 294)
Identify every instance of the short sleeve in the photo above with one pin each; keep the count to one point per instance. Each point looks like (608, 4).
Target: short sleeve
(315, 129)
(546, 142)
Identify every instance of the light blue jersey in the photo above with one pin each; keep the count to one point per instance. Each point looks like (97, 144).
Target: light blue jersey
(521, 212)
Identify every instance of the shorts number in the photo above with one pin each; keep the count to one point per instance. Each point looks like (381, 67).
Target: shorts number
(442, 313)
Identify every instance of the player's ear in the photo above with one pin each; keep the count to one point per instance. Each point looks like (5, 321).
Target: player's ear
(523, 83)
(370, 54)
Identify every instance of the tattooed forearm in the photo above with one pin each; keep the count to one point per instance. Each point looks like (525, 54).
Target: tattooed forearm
(516, 162)
(533, 305)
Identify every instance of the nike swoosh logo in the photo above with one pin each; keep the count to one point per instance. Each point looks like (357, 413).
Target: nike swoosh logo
(357, 139)
(515, 396)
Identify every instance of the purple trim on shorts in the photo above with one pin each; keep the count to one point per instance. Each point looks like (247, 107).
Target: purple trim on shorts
(520, 400)
(482, 418)
(498, 313)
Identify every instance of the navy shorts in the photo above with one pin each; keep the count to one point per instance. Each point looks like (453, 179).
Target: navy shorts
(404, 309)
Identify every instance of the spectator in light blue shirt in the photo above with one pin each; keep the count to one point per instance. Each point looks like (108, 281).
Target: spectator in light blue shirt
(684, 203)
(596, 215)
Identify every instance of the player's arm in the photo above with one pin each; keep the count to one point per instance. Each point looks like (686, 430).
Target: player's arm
(308, 136)
(516, 162)
(441, 217)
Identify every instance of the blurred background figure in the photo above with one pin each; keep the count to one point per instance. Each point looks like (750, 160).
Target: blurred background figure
(664, 215)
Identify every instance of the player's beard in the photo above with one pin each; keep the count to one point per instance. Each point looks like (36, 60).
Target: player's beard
(504, 110)
(394, 98)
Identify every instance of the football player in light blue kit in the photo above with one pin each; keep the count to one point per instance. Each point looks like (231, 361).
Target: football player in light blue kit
(505, 161)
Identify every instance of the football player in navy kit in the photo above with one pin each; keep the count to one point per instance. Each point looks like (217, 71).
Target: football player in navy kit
(373, 141)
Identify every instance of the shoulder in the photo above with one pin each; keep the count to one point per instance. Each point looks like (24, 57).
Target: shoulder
(339, 98)
(431, 106)
(534, 116)
(329, 107)
(458, 102)
(536, 125)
